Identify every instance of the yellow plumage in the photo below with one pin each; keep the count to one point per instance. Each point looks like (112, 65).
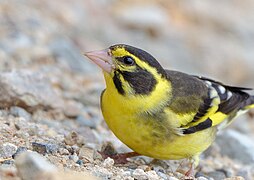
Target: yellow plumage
(159, 113)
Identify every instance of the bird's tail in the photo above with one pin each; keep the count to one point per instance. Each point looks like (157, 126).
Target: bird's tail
(250, 103)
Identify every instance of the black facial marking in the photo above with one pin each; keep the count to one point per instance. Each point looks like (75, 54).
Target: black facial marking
(140, 80)
(118, 83)
(144, 56)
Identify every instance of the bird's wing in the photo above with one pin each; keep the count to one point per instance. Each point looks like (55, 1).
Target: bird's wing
(200, 102)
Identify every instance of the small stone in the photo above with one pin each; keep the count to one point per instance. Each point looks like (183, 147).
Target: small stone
(20, 112)
(75, 148)
(22, 134)
(21, 123)
(108, 163)
(74, 157)
(159, 169)
(27, 89)
(202, 178)
(108, 149)
(80, 162)
(172, 178)
(71, 139)
(163, 175)
(86, 153)
(235, 178)
(217, 175)
(7, 150)
(8, 162)
(152, 175)
(3, 113)
(19, 151)
(102, 172)
(31, 165)
(72, 109)
(144, 167)
(63, 151)
(125, 173)
(140, 174)
(200, 174)
(245, 173)
(44, 148)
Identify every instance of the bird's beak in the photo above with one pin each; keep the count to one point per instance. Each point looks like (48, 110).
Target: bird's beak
(102, 58)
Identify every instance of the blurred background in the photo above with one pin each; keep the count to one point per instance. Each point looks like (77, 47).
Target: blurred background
(48, 38)
(199, 37)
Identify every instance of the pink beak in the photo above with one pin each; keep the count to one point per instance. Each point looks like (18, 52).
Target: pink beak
(102, 58)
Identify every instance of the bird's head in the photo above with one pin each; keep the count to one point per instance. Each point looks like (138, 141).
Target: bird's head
(133, 71)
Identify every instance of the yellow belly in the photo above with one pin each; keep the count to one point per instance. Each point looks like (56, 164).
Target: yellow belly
(151, 138)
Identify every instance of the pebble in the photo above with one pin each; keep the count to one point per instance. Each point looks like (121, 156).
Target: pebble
(202, 178)
(74, 157)
(80, 162)
(8, 162)
(31, 165)
(108, 149)
(152, 175)
(108, 162)
(163, 175)
(72, 109)
(63, 151)
(125, 173)
(3, 113)
(201, 175)
(19, 151)
(237, 146)
(7, 150)
(235, 178)
(20, 112)
(22, 134)
(71, 139)
(245, 173)
(102, 172)
(172, 178)
(27, 88)
(139, 174)
(21, 123)
(217, 175)
(86, 153)
(45, 148)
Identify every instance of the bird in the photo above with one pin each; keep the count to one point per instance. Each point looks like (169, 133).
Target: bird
(160, 113)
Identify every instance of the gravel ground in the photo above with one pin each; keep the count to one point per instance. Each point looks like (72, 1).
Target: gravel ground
(51, 126)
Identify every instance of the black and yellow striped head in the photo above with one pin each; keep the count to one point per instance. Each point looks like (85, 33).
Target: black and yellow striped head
(133, 71)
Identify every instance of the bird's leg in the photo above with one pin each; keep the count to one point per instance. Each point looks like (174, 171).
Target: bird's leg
(194, 161)
(120, 158)
(190, 172)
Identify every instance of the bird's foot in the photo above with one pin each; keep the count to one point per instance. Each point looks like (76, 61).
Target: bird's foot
(119, 158)
(190, 173)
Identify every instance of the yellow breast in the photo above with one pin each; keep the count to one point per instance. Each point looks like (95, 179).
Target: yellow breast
(149, 135)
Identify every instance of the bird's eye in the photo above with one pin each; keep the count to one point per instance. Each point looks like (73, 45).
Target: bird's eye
(128, 60)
